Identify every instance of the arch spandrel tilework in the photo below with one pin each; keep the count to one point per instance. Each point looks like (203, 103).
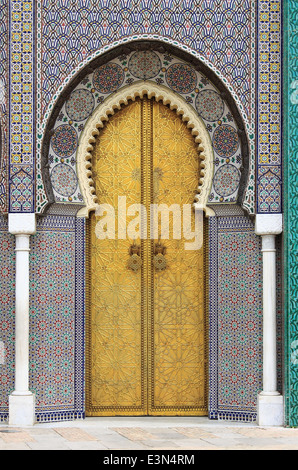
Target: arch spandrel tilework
(176, 78)
(226, 44)
(225, 38)
(244, 25)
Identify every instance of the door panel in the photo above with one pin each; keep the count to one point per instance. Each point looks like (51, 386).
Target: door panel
(146, 347)
(177, 348)
(116, 359)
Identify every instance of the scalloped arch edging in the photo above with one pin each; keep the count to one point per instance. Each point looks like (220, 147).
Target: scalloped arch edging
(114, 102)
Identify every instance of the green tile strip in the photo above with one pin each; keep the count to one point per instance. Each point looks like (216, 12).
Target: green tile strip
(290, 170)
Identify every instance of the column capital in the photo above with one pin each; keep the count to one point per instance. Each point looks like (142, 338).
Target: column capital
(21, 224)
(268, 243)
(268, 224)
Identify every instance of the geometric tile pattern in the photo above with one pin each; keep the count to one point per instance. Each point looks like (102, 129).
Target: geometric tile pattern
(71, 37)
(290, 288)
(226, 44)
(3, 107)
(71, 34)
(166, 70)
(56, 318)
(68, 37)
(7, 309)
(21, 88)
(235, 318)
(269, 198)
(56, 352)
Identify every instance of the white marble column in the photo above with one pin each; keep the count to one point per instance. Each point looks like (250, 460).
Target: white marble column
(21, 401)
(270, 402)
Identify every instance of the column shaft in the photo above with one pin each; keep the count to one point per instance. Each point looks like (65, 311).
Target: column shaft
(269, 315)
(22, 316)
(22, 401)
(269, 402)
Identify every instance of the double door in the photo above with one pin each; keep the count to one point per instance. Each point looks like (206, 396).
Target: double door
(146, 328)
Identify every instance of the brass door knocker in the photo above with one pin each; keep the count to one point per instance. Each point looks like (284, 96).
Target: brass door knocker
(135, 260)
(159, 260)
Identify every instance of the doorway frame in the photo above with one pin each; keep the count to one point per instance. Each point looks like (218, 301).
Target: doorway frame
(86, 212)
(114, 102)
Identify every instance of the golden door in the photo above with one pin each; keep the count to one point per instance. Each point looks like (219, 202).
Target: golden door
(146, 331)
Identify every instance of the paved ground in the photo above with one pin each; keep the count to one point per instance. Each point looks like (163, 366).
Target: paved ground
(160, 434)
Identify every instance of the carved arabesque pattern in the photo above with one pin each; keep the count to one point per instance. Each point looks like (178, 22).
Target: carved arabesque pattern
(108, 108)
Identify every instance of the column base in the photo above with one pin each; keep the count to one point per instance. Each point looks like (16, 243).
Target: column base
(270, 410)
(22, 410)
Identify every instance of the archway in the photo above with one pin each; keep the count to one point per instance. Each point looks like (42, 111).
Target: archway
(235, 161)
(108, 108)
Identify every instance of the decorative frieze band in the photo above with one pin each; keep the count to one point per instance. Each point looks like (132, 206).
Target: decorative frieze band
(21, 113)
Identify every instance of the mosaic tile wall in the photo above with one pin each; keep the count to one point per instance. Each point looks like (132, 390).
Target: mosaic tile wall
(269, 132)
(21, 106)
(290, 243)
(234, 37)
(7, 314)
(166, 70)
(3, 107)
(235, 319)
(74, 30)
(72, 33)
(56, 318)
